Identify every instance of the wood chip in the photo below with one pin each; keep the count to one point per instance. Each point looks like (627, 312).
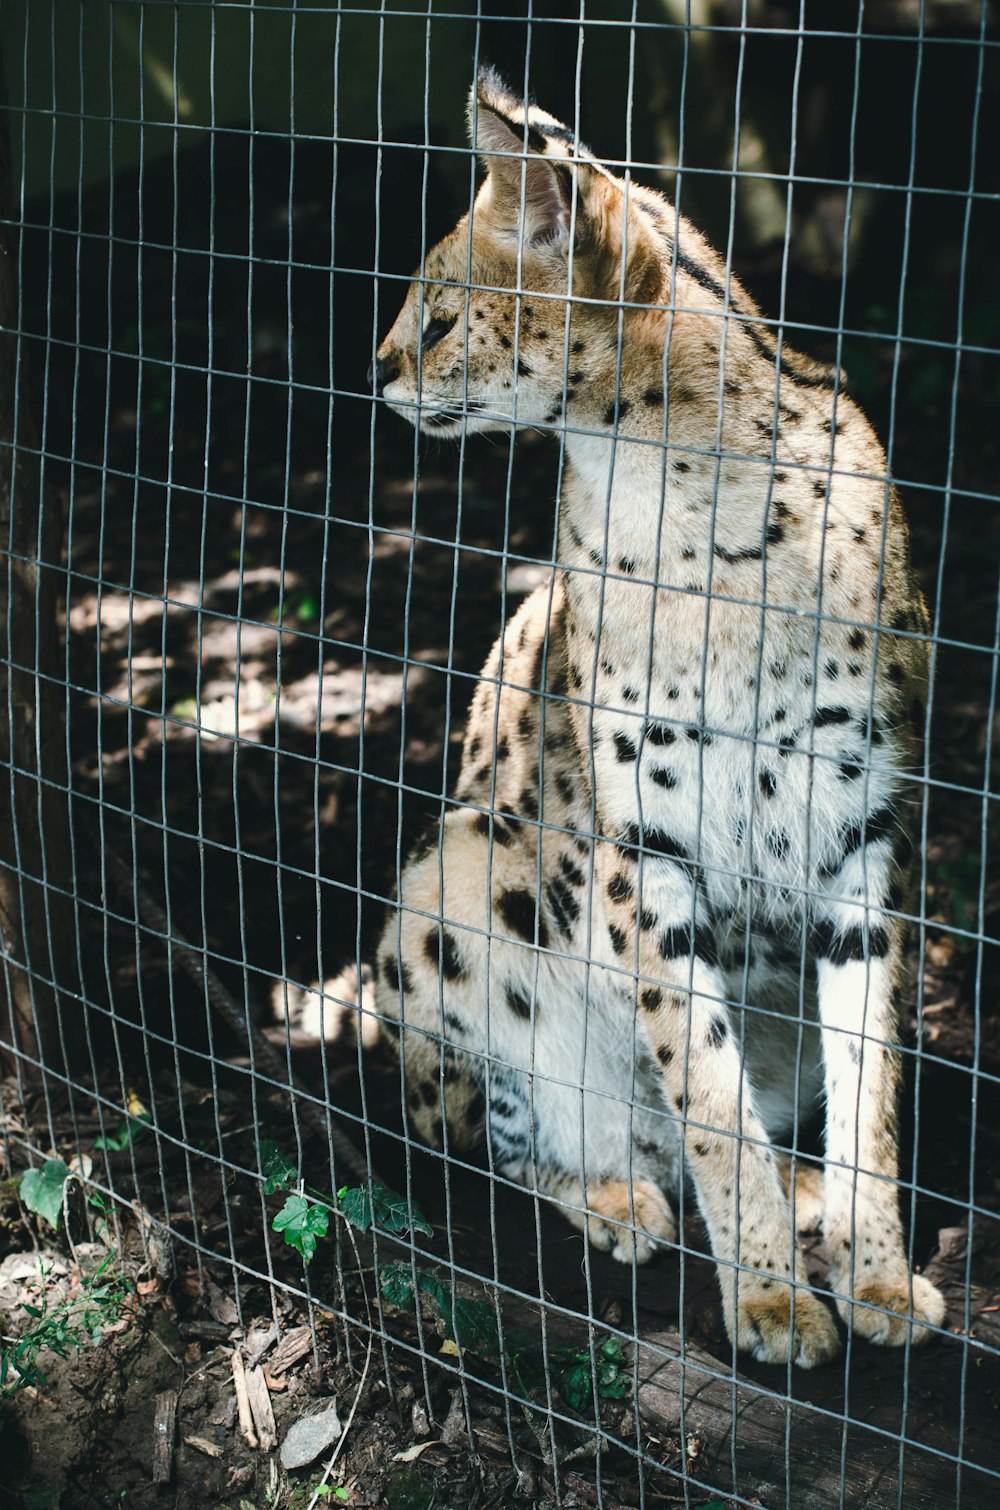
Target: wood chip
(259, 1340)
(260, 1404)
(243, 1399)
(201, 1444)
(293, 1346)
(164, 1426)
(222, 1306)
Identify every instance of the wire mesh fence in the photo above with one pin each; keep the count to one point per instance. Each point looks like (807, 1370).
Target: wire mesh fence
(342, 973)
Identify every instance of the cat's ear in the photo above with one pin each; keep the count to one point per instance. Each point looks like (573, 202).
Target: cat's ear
(530, 194)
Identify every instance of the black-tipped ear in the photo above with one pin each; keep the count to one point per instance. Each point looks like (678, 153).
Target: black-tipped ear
(529, 190)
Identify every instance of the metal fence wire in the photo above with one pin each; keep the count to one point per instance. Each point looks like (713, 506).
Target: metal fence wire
(406, 1015)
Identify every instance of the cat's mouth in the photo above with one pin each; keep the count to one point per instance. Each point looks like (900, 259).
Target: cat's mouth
(437, 416)
(442, 419)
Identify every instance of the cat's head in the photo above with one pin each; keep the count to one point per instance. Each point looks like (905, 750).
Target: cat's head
(515, 316)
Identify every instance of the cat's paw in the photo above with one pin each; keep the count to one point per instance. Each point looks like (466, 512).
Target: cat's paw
(629, 1221)
(883, 1312)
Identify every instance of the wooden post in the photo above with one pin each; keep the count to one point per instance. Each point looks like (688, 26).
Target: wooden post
(35, 919)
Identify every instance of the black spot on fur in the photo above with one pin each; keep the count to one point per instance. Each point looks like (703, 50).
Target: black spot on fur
(653, 397)
(841, 948)
(625, 566)
(896, 674)
(832, 670)
(441, 949)
(623, 408)
(664, 776)
(826, 716)
(564, 905)
(574, 875)
(624, 746)
(665, 1054)
(777, 843)
(677, 943)
(396, 974)
(870, 728)
(651, 998)
(819, 489)
(659, 734)
(518, 1002)
(523, 370)
(881, 824)
(768, 782)
(630, 694)
(851, 766)
(518, 910)
(620, 888)
(619, 940)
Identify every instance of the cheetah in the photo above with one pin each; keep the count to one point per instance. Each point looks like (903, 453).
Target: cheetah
(662, 921)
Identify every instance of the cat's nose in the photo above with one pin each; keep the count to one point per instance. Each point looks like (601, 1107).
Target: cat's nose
(381, 372)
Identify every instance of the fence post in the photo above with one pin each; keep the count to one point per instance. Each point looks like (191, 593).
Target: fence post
(35, 920)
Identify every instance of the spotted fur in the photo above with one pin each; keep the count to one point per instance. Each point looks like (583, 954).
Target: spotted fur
(660, 927)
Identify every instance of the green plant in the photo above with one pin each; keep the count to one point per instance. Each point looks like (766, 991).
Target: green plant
(125, 1135)
(67, 1326)
(470, 1323)
(305, 1216)
(42, 1190)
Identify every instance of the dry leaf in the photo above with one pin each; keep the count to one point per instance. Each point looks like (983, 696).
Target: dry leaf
(412, 1453)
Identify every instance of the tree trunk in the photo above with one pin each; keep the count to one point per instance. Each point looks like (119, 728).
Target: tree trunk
(35, 916)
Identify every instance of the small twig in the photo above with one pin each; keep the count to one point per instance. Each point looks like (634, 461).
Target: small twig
(243, 1399)
(69, 1235)
(360, 1390)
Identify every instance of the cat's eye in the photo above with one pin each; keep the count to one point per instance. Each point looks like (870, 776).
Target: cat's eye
(436, 330)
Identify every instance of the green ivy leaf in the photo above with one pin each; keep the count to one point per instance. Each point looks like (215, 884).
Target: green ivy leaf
(277, 1169)
(42, 1190)
(302, 1222)
(574, 1374)
(381, 1207)
(574, 1382)
(396, 1282)
(472, 1324)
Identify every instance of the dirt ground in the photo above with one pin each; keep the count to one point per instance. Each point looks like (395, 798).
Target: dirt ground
(291, 582)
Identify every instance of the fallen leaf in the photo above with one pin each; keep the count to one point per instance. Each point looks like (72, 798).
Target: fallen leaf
(412, 1453)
